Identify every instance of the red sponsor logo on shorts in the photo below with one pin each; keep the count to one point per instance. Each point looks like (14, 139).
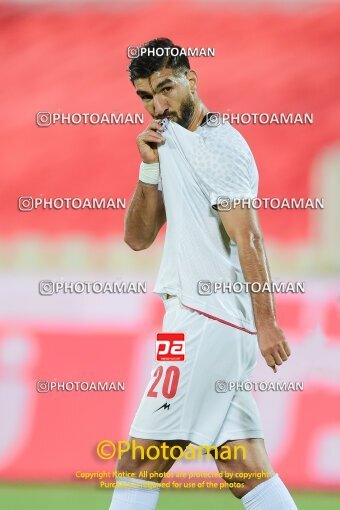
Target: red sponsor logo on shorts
(170, 347)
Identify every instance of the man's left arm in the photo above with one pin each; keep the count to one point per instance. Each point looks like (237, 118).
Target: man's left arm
(242, 226)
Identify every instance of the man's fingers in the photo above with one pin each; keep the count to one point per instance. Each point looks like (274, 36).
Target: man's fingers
(286, 348)
(274, 348)
(152, 132)
(155, 125)
(151, 136)
(270, 362)
(282, 353)
(277, 358)
(274, 368)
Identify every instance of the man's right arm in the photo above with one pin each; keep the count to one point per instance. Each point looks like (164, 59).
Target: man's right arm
(145, 216)
(146, 213)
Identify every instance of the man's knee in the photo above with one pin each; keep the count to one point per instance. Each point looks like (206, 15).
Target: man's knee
(142, 463)
(245, 467)
(126, 464)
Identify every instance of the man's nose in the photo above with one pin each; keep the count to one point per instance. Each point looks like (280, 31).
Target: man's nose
(160, 106)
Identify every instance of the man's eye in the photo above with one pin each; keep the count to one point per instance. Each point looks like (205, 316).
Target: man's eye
(167, 89)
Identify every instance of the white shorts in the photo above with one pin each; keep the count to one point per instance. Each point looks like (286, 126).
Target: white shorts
(195, 411)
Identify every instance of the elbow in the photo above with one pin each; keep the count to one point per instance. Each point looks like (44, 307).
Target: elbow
(135, 245)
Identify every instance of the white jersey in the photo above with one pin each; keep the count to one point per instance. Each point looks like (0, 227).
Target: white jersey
(196, 169)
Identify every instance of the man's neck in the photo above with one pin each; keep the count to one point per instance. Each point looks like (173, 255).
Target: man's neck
(199, 112)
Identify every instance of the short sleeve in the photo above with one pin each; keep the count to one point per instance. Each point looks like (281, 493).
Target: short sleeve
(237, 178)
(227, 168)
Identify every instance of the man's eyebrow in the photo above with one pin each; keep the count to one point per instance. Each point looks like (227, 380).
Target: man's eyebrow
(167, 81)
(142, 92)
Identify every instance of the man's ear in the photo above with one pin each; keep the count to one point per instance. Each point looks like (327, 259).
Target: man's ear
(193, 80)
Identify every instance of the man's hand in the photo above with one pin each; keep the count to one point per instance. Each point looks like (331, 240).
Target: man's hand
(273, 345)
(147, 141)
(242, 226)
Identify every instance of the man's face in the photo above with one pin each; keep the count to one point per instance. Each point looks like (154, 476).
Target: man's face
(166, 94)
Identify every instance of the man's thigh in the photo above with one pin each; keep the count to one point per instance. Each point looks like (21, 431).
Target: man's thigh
(147, 458)
(249, 464)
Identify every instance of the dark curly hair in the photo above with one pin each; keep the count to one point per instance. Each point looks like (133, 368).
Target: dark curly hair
(144, 65)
